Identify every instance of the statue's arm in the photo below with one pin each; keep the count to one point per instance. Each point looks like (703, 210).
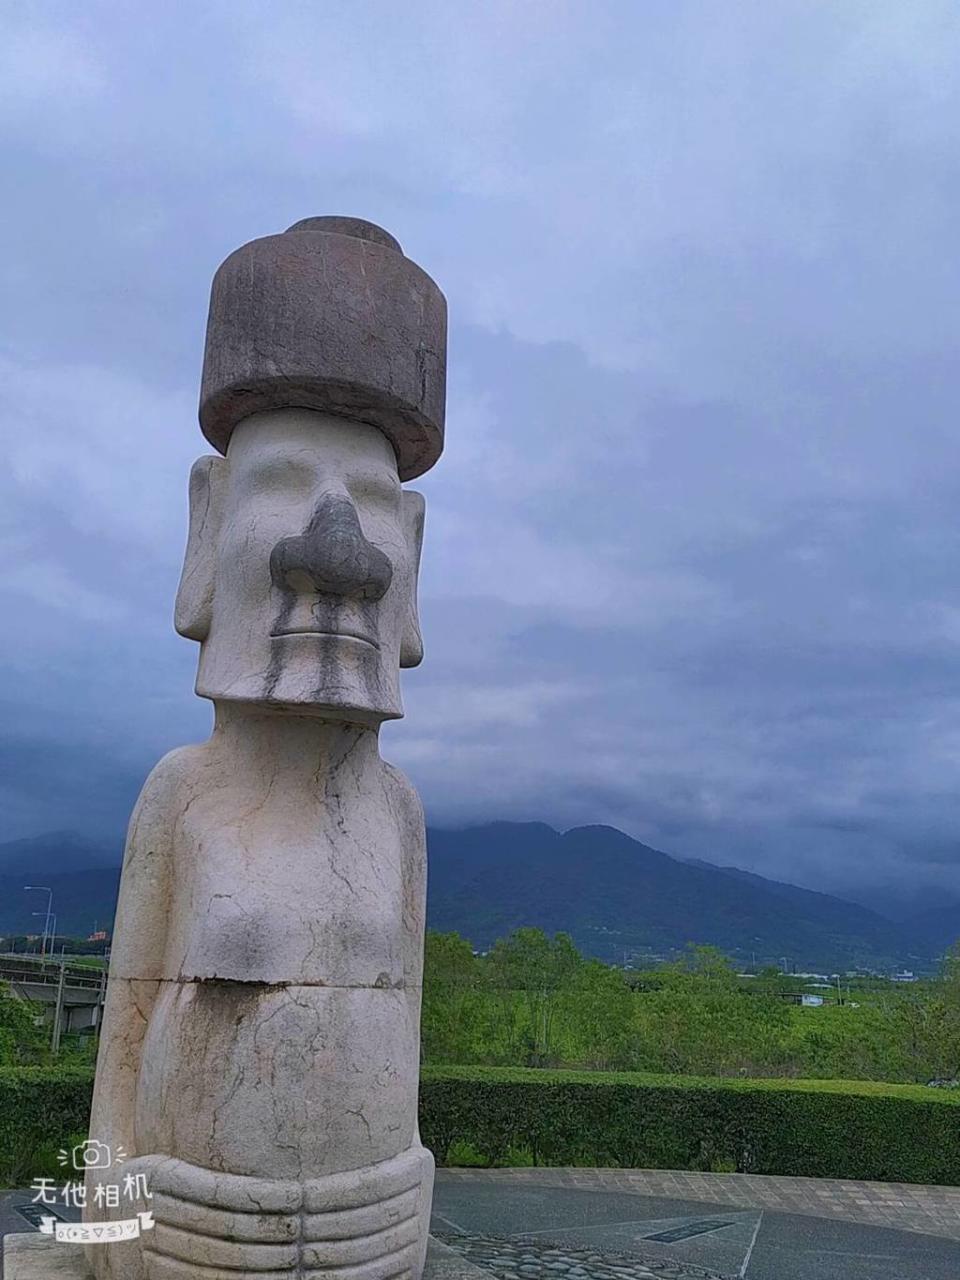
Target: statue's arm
(137, 955)
(409, 812)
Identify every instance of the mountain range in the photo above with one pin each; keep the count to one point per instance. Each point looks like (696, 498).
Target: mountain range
(84, 875)
(620, 900)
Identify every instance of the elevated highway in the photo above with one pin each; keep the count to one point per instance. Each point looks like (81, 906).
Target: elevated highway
(71, 996)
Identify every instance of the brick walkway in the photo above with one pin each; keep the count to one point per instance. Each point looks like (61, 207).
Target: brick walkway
(930, 1210)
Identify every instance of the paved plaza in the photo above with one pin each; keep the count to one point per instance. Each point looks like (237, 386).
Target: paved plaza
(631, 1224)
(619, 1224)
(903, 1205)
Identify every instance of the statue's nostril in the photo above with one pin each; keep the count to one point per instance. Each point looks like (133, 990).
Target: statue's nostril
(332, 557)
(300, 581)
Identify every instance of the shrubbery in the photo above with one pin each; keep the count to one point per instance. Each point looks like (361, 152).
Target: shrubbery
(831, 1129)
(21, 1040)
(827, 1129)
(533, 1001)
(41, 1110)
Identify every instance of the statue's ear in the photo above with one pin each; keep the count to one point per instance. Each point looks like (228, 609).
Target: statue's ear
(195, 594)
(411, 642)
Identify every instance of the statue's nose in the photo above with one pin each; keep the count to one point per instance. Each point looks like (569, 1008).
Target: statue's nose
(331, 556)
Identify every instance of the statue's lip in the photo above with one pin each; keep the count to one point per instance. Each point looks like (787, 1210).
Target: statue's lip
(322, 631)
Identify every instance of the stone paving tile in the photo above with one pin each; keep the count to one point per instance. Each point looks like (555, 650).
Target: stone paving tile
(523, 1260)
(908, 1207)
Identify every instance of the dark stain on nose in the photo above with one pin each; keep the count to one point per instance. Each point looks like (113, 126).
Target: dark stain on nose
(331, 556)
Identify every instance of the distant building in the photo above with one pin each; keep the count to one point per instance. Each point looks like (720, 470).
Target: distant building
(811, 1002)
(906, 976)
(98, 935)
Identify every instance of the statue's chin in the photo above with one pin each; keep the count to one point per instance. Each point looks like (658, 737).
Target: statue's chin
(286, 698)
(336, 677)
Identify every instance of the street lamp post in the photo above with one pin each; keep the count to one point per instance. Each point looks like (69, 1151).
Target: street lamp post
(58, 1011)
(43, 888)
(53, 930)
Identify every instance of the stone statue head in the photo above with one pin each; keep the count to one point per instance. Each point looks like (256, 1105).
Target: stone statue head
(300, 577)
(323, 387)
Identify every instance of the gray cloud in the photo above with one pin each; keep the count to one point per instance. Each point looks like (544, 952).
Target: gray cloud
(691, 551)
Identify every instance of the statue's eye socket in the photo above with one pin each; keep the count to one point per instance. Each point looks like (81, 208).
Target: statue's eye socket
(283, 474)
(383, 492)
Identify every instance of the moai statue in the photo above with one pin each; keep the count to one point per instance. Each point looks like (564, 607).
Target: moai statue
(259, 1058)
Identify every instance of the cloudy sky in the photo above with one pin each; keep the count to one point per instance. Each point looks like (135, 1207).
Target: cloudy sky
(693, 561)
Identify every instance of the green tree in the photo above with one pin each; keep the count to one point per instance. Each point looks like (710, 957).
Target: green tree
(21, 1040)
(923, 1025)
(596, 1015)
(453, 1003)
(702, 1022)
(770, 981)
(530, 966)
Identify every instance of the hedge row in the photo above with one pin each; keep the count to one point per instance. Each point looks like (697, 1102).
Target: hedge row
(804, 1128)
(41, 1110)
(807, 1128)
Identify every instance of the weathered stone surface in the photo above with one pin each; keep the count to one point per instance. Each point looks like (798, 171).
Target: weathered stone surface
(32, 1256)
(329, 316)
(260, 1048)
(359, 228)
(36, 1257)
(505, 1258)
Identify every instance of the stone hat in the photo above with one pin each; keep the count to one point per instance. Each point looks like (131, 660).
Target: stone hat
(332, 316)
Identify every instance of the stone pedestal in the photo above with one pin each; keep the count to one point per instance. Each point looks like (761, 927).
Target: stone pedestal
(32, 1256)
(36, 1257)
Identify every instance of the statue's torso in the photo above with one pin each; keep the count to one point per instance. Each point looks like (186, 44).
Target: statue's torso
(286, 885)
(292, 911)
